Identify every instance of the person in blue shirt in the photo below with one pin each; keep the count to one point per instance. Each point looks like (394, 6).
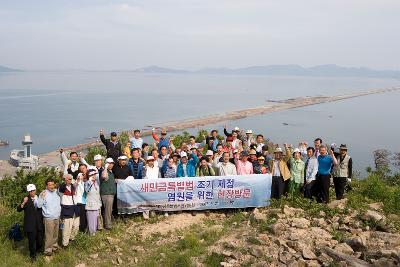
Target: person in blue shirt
(323, 180)
(187, 168)
(50, 203)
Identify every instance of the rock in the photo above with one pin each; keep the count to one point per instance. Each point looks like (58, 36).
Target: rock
(325, 260)
(162, 255)
(258, 215)
(302, 223)
(80, 265)
(227, 253)
(308, 254)
(256, 253)
(348, 260)
(225, 264)
(392, 240)
(119, 260)
(319, 222)
(338, 204)
(285, 257)
(373, 215)
(277, 228)
(94, 256)
(312, 263)
(376, 206)
(322, 213)
(384, 262)
(389, 253)
(291, 212)
(135, 260)
(111, 240)
(346, 220)
(264, 239)
(344, 248)
(357, 243)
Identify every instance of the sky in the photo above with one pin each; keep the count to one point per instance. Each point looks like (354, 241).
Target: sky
(192, 34)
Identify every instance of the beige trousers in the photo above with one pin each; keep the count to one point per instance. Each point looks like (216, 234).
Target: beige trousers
(51, 228)
(108, 201)
(71, 228)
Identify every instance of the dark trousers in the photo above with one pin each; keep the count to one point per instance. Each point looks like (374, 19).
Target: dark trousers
(323, 182)
(35, 241)
(278, 187)
(340, 185)
(82, 218)
(309, 190)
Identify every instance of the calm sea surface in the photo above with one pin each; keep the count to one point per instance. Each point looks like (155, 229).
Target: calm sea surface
(66, 108)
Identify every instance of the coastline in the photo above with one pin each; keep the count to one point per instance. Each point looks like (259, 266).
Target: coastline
(52, 158)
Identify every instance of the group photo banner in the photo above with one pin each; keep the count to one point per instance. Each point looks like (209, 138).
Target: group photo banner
(194, 193)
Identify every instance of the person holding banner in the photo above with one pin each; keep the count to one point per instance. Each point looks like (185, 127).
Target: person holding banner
(187, 168)
(205, 168)
(280, 172)
(226, 168)
(243, 166)
(150, 170)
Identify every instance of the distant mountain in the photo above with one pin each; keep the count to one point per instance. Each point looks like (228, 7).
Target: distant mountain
(157, 69)
(293, 70)
(7, 69)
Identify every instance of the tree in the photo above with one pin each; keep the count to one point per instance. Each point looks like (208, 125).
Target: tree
(382, 161)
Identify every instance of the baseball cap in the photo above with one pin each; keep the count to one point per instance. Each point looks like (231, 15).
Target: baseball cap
(122, 157)
(97, 157)
(209, 153)
(296, 150)
(183, 154)
(236, 128)
(150, 158)
(249, 132)
(92, 172)
(30, 187)
(244, 153)
(113, 134)
(278, 150)
(109, 160)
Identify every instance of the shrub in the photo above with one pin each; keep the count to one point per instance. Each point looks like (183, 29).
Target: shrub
(92, 151)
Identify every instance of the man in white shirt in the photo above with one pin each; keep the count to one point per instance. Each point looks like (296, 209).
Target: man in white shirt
(151, 171)
(225, 168)
(136, 140)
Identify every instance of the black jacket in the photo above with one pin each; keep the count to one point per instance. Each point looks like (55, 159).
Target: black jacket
(33, 217)
(113, 151)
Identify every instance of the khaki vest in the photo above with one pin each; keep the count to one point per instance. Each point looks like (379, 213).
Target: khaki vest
(342, 169)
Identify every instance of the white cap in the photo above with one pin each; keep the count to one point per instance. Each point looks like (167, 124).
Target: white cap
(278, 150)
(150, 158)
(209, 153)
(183, 154)
(109, 160)
(249, 131)
(122, 157)
(97, 157)
(236, 128)
(296, 150)
(30, 187)
(235, 151)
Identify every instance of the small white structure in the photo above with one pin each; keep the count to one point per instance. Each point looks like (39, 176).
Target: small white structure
(24, 158)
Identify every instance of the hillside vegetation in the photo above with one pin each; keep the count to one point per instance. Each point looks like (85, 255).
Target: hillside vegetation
(362, 229)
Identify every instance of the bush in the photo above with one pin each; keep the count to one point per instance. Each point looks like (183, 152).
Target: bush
(92, 151)
(13, 188)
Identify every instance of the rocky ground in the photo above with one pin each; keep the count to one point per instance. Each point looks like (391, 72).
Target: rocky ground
(285, 236)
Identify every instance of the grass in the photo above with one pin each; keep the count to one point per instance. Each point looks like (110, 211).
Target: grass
(196, 240)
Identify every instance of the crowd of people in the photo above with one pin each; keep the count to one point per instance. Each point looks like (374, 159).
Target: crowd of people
(86, 199)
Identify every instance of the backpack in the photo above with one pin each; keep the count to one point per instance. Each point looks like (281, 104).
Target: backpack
(15, 233)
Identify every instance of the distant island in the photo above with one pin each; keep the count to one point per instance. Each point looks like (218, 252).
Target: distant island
(328, 70)
(7, 69)
(293, 70)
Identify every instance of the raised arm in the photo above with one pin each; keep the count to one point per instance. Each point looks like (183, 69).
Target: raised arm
(102, 138)
(154, 135)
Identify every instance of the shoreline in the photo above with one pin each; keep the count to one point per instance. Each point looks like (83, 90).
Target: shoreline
(52, 158)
